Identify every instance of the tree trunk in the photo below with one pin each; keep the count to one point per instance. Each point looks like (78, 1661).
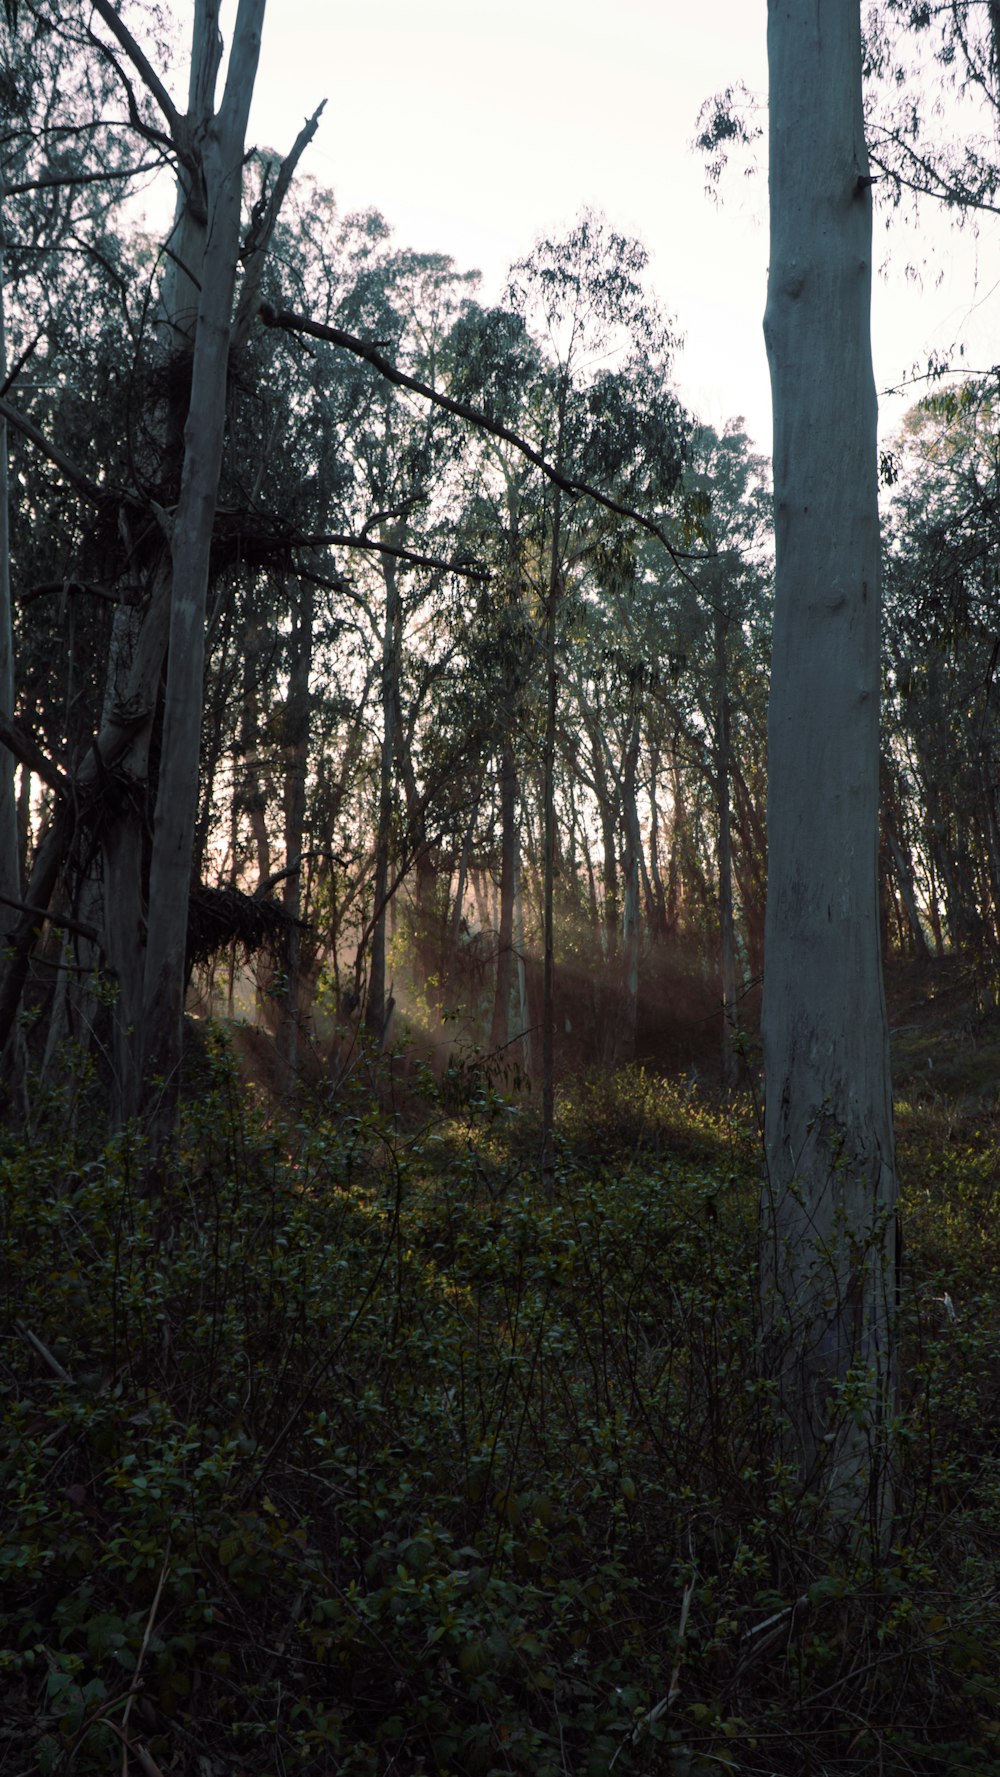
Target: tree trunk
(10, 869)
(829, 1203)
(500, 1025)
(296, 767)
(727, 930)
(191, 543)
(630, 922)
(524, 1009)
(376, 1018)
(548, 1166)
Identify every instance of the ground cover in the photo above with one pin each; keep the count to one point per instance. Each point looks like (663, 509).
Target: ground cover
(354, 1454)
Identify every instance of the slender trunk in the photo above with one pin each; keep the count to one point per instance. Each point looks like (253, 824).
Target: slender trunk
(727, 929)
(522, 974)
(630, 924)
(548, 798)
(458, 905)
(296, 764)
(904, 877)
(500, 1025)
(10, 871)
(657, 915)
(829, 1203)
(752, 869)
(375, 1003)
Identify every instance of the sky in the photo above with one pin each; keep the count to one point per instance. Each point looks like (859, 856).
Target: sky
(477, 125)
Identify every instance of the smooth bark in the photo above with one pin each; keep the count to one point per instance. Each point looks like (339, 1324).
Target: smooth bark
(829, 1203)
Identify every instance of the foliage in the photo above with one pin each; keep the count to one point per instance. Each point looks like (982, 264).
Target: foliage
(350, 1453)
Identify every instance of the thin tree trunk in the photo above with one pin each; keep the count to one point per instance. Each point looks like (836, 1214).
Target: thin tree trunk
(522, 975)
(375, 1003)
(727, 930)
(500, 1024)
(904, 877)
(548, 1168)
(296, 765)
(10, 872)
(630, 924)
(829, 1203)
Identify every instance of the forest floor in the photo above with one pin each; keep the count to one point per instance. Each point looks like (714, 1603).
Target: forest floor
(352, 1454)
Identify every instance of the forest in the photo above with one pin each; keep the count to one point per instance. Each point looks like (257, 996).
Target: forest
(499, 957)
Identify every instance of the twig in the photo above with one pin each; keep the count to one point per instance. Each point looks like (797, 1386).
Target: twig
(773, 1629)
(147, 1633)
(660, 1709)
(135, 1747)
(78, 926)
(43, 1351)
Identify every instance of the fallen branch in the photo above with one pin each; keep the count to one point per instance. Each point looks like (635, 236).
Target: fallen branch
(44, 1353)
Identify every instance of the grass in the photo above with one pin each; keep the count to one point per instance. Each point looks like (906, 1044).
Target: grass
(352, 1455)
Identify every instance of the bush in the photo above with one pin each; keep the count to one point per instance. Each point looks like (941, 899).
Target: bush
(350, 1453)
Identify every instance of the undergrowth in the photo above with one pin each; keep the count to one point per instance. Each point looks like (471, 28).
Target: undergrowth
(351, 1454)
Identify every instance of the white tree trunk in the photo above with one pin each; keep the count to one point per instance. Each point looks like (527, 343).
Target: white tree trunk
(829, 1238)
(222, 151)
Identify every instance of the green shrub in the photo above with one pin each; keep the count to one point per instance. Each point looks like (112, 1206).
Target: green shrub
(350, 1453)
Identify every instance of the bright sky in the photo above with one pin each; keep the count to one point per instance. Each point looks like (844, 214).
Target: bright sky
(475, 125)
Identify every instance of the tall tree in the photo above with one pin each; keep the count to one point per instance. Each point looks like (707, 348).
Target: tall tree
(829, 1201)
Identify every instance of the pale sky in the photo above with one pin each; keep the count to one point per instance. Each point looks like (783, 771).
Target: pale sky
(474, 126)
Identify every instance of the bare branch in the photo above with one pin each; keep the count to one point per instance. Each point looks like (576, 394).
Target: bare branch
(293, 323)
(337, 539)
(262, 228)
(47, 588)
(143, 68)
(14, 738)
(49, 180)
(78, 926)
(75, 476)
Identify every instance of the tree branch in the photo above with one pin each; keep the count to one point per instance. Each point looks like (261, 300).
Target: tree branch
(60, 179)
(261, 229)
(336, 539)
(89, 932)
(76, 477)
(14, 738)
(293, 323)
(47, 588)
(143, 68)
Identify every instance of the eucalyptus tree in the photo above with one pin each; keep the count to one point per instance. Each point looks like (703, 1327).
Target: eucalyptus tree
(829, 1202)
(938, 145)
(65, 164)
(726, 507)
(942, 738)
(584, 300)
(168, 522)
(401, 457)
(494, 364)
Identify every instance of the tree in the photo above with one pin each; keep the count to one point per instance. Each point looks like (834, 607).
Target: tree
(173, 481)
(829, 1201)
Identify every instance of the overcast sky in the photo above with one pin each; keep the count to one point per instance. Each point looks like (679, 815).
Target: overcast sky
(475, 125)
